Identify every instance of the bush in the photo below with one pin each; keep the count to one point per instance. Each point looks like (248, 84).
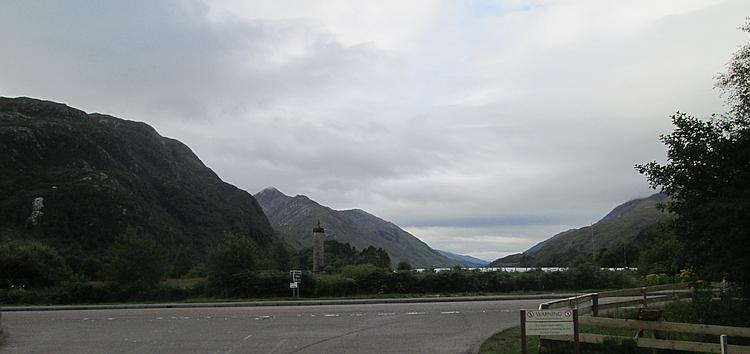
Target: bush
(136, 262)
(234, 256)
(30, 264)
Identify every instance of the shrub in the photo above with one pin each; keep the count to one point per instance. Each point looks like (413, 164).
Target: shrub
(30, 264)
(136, 262)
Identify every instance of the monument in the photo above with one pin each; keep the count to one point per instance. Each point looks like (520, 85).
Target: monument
(319, 235)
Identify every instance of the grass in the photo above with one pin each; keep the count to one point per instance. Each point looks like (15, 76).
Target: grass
(509, 342)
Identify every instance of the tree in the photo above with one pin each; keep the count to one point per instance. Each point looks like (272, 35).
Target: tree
(30, 264)
(183, 261)
(280, 257)
(403, 265)
(707, 177)
(375, 256)
(137, 262)
(235, 255)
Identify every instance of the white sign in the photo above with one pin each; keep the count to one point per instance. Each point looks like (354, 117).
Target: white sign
(549, 328)
(293, 285)
(296, 276)
(549, 322)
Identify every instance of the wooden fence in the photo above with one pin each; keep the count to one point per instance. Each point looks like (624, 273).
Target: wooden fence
(592, 303)
(589, 303)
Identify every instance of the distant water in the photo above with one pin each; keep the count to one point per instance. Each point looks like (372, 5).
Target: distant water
(519, 269)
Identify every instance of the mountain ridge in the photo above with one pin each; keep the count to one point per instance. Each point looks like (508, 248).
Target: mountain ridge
(295, 216)
(97, 174)
(623, 224)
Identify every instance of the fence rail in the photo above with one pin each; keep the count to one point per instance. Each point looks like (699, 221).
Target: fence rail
(589, 303)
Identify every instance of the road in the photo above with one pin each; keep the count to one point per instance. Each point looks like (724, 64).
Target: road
(450, 327)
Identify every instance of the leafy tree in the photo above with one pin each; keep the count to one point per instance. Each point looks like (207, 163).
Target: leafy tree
(85, 264)
(404, 265)
(183, 262)
(375, 256)
(707, 177)
(280, 257)
(30, 264)
(137, 262)
(235, 255)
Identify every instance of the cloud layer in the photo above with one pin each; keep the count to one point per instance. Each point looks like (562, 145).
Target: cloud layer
(482, 127)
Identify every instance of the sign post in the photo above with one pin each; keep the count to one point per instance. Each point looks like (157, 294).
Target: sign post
(562, 322)
(295, 279)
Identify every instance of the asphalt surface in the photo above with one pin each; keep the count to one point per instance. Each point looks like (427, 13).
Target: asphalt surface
(440, 327)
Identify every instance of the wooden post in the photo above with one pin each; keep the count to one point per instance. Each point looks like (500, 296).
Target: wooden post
(595, 304)
(724, 344)
(524, 345)
(645, 299)
(576, 338)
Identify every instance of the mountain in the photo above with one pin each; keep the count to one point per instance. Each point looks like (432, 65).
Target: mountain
(466, 261)
(294, 218)
(77, 180)
(620, 227)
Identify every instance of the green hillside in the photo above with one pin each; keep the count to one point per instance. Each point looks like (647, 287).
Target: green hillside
(619, 228)
(93, 175)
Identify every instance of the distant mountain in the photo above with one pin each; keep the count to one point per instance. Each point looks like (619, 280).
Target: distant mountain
(620, 226)
(294, 218)
(466, 261)
(89, 176)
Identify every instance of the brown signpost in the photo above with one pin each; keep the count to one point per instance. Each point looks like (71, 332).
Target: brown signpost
(560, 322)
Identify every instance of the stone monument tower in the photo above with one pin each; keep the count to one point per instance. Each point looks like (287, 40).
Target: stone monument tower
(319, 235)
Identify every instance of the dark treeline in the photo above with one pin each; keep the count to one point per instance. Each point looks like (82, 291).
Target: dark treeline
(352, 280)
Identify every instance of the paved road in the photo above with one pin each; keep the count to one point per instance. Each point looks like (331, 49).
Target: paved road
(453, 327)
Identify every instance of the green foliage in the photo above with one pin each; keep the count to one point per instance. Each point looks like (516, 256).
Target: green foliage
(183, 262)
(30, 264)
(137, 262)
(86, 265)
(403, 265)
(375, 256)
(339, 255)
(235, 255)
(281, 259)
(665, 256)
(707, 176)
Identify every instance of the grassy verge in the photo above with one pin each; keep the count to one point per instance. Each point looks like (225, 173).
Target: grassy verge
(508, 342)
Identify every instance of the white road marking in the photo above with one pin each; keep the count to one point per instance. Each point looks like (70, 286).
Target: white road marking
(331, 315)
(416, 313)
(450, 312)
(248, 337)
(263, 317)
(386, 313)
(160, 318)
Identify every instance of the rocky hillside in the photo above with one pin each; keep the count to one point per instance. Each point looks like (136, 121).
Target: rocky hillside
(294, 218)
(621, 226)
(78, 180)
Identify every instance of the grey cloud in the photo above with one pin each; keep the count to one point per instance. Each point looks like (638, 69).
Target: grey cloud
(481, 133)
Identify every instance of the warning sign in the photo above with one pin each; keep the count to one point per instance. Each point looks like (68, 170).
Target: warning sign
(549, 322)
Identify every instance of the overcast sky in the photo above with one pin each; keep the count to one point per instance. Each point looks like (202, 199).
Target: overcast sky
(482, 127)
